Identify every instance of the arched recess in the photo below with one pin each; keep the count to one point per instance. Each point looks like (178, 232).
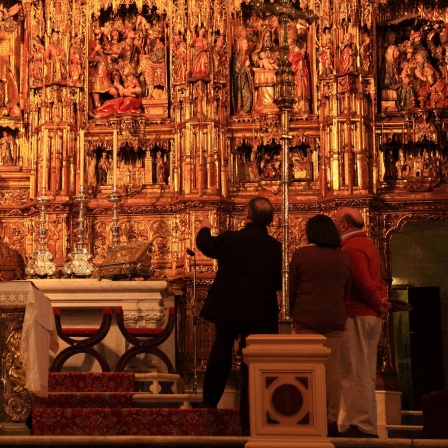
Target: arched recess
(417, 254)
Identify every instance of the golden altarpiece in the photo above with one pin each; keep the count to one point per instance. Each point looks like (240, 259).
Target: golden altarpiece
(127, 121)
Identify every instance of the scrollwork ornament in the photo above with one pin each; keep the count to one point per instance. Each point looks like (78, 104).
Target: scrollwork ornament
(17, 398)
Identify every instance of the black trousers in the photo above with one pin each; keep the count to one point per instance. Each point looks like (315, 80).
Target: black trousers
(218, 370)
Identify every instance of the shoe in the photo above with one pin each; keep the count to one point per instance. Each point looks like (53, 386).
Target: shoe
(354, 432)
(332, 428)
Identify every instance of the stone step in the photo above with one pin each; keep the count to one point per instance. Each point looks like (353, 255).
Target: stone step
(404, 431)
(412, 418)
(149, 400)
(135, 422)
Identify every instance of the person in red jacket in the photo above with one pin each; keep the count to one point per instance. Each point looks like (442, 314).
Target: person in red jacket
(364, 307)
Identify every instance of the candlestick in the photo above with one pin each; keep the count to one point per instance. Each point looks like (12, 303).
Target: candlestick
(44, 161)
(81, 159)
(115, 149)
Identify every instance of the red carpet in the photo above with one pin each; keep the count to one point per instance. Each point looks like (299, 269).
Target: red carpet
(100, 404)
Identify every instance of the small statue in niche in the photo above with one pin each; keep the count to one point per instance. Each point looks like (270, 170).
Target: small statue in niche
(8, 149)
(179, 59)
(200, 68)
(242, 82)
(92, 171)
(366, 55)
(297, 56)
(57, 69)
(254, 174)
(242, 167)
(390, 163)
(160, 168)
(348, 55)
(9, 91)
(76, 62)
(37, 62)
(219, 60)
(103, 169)
(327, 58)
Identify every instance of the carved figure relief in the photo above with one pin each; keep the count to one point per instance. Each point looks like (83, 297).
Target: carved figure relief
(414, 66)
(9, 91)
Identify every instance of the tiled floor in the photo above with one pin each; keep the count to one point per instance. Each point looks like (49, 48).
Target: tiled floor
(208, 442)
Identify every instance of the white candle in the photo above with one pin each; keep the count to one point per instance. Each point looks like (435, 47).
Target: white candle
(81, 160)
(115, 149)
(44, 161)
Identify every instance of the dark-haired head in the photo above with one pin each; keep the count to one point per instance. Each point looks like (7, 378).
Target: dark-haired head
(322, 231)
(260, 210)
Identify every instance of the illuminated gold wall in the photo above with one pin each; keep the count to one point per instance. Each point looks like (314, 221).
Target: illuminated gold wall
(189, 87)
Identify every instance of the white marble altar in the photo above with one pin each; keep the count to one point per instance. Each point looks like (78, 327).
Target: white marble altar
(144, 303)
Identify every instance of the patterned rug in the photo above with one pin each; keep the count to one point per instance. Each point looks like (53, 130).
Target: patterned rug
(100, 404)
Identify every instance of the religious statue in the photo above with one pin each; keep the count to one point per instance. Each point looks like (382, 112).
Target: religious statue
(99, 76)
(406, 97)
(76, 69)
(200, 68)
(8, 150)
(390, 77)
(179, 59)
(297, 56)
(57, 68)
(265, 54)
(433, 90)
(160, 168)
(264, 59)
(153, 67)
(37, 62)
(390, 163)
(129, 53)
(128, 100)
(366, 55)
(219, 60)
(103, 169)
(242, 82)
(327, 58)
(112, 51)
(348, 55)
(9, 92)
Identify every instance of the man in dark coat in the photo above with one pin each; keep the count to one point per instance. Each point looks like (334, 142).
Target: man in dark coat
(243, 297)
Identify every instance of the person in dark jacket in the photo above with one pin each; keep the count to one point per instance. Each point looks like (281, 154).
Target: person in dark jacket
(243, 297)
(319, 283)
